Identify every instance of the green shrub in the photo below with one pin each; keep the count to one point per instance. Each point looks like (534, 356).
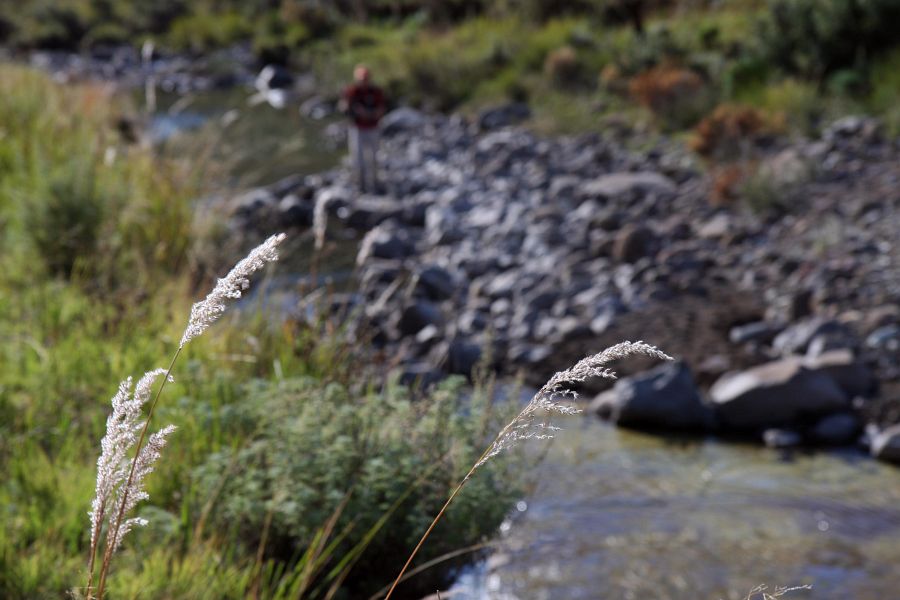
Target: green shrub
(313, 446)
(64, 222)
(816, 38)
(199, 32)
(563, 68)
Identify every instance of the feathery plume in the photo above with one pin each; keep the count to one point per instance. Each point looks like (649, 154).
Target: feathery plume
(230, 287)
(528, 425)
(120, 482)
(123, 428)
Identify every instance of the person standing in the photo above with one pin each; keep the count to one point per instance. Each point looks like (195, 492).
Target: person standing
(365, 104)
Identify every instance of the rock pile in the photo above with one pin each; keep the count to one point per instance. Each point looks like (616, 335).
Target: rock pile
(496, 244)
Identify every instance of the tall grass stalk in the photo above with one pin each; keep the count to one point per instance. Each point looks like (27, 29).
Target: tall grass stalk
(528, 424)
(124, 422)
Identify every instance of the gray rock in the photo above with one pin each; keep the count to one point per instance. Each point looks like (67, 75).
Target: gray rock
(886, 444)
(418, 315)
(781, 438)
(383, 243)
(664, 397)
(633, 242)
(436, 282)
(294, 212)
(403, 119)
(503, 116)
(796, 338)
(462, 357)
(776, 394)
(627, 186)
(368, 211)
(885, 338)
(837, 429)
(254, 204)
(759, 331)
(851, 375)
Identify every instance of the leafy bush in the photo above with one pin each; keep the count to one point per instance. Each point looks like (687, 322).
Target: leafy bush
(201, 32)
(563, 68)
(313, 447)
(816, 38)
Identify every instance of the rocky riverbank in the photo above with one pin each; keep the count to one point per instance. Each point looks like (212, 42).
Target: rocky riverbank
(489, 243)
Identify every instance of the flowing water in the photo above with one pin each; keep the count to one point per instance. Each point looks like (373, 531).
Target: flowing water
(616, 514)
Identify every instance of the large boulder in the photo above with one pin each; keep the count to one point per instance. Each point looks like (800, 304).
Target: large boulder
(886, 444)
(665, 397)
(780, 393)
(837, 429)
(403, 119)
(797, 338)
(851, 375)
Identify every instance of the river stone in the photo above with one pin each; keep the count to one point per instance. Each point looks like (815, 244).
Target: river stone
(294, 212)
(384, 243)
(503, 116)
(797, 338)
(418, 315)
(665, 397)
(403, 119)
(462, 357)
(759, 331)
(368, 211)
(886, 444)
(436, 282)
(627, 185)
(836, 429)
(632, 243)
(775, 394)
(851, 375)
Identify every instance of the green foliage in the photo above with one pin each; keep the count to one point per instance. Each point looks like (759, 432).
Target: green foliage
(817, 38)
(200, 32)
(310, 448)
(64, 221)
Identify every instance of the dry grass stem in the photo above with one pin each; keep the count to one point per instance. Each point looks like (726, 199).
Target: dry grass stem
(529, 424)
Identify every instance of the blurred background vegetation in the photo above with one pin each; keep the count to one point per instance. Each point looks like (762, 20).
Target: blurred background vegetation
(805, 60)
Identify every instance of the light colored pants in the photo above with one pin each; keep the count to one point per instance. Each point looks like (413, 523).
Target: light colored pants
(363, 153)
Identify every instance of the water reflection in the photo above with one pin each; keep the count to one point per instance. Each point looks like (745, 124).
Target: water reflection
(623, 515)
